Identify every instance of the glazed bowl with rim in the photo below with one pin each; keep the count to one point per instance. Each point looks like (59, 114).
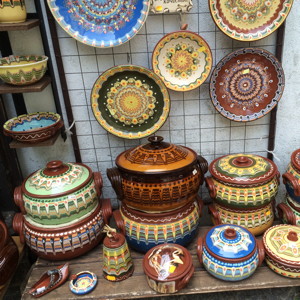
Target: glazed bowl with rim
(23, 70)
(12, 11)
(158, 176)
(67, 241)
(168, 268)
(230, 252)
(242, 180)
(144, 230)
(282, 248)
(59, 193)
(289, 211)
(34, 127)
(256, 220)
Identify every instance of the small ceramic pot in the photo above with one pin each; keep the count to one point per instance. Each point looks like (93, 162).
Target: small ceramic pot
(291, 178)
(256, 220)
(158, 176)
(282, 247)
(64, 242)
(168, 268)
(144, 231)
(12, 11)
(243, 181)
(289, 211)
(60, 193)
(230, 252)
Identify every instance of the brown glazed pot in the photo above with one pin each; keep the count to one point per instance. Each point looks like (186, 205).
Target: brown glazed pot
(158, 176)
(289, 211)
(172, 276)
(64, 242)
(9, 255)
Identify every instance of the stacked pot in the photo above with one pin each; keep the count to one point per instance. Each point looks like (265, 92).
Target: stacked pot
(158, 185)
(243, 188)
(61, 215)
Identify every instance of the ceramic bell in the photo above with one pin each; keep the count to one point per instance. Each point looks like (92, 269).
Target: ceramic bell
(117, 262)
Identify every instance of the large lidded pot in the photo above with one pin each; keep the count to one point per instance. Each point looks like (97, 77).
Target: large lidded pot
(230, 252)
(157, 176)
(282, 247)
(59, 193)
(243, 180)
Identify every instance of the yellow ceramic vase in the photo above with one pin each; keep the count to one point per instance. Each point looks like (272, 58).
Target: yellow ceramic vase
(12, 11)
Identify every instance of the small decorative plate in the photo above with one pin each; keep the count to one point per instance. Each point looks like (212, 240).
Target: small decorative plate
(104, 23)
(248, 20)
(83, 282)
(246, 84)
(183, 60)
(130, 101)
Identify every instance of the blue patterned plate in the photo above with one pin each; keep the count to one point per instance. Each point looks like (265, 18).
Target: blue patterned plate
(100, 23)
(83, 282)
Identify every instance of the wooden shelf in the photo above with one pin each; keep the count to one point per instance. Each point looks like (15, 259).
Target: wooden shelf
(32, 88)
(19, 26)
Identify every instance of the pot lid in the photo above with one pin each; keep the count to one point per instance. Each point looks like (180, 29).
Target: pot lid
(167, 262)
(243, 169)
(229, 241)
(156, 157)
(296, 159)
(57, 179)
(282, 243)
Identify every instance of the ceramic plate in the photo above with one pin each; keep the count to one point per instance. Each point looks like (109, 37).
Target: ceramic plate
(130, 101)
(83, 283)
(182, 60)
(246, 84)
(249, 20)
(100, 23)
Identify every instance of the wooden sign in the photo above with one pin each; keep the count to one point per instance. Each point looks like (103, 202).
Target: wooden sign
(170, 6)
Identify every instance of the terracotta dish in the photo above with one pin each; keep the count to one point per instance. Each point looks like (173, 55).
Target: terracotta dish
(246, 84)
(183, 60)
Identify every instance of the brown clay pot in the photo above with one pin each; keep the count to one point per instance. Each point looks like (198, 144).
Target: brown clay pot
(158, 176)
(64, 242)
(289, 211)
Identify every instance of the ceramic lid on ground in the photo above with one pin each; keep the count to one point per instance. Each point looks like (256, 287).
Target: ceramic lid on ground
(167, 262)
(229, 242)
(296, 159)
(156, 157)
(282, 243)
(57, 179)
(244, 169)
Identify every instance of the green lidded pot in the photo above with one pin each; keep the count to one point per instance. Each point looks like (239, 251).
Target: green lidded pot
(59, 193)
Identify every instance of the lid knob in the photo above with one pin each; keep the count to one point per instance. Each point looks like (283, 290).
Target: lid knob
(155, 139)
(292, 236)
(55, 167)
(243, 160)
(230, 233)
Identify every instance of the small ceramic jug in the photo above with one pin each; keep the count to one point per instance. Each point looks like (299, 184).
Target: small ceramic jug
(12, 11)
(117, 262)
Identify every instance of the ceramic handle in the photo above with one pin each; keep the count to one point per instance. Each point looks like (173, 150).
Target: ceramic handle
(261, 251)
(277, 176)
(200, 205)
(287, 177)
(211, 187)
(58, 126)
(3, 240)
(284, 210)
(155, 139)
(55, 167)
(106, 210)
(18, 198)
(119, 221)
(18, 224)
(200, 249)
(185, 280)
(215, 214)
(115, 178)
(242, 160)
(98, 183)
(203, 164)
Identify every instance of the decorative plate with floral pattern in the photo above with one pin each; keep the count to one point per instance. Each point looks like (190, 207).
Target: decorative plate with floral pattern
(130, 101)
(183, 60)
(100, 23)
(249, 20)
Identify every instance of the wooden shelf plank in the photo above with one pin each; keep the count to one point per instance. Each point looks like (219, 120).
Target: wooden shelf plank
(28, 24)
(32, 88)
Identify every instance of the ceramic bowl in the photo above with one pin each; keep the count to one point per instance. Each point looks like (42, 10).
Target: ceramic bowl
(59, 193)
(230, 252)
(33, 128)
(282, 247)
(256, 220)
(243, 180)
(158, 176)
(22, 70)
(12, 11)
(67, 241)
(146, 230)
(289, 211)
(168, 268)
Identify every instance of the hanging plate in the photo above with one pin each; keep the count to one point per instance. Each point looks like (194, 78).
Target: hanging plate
(246, 84)
(130, 101)
(101, 23)
(183, 60)
(248, 20)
